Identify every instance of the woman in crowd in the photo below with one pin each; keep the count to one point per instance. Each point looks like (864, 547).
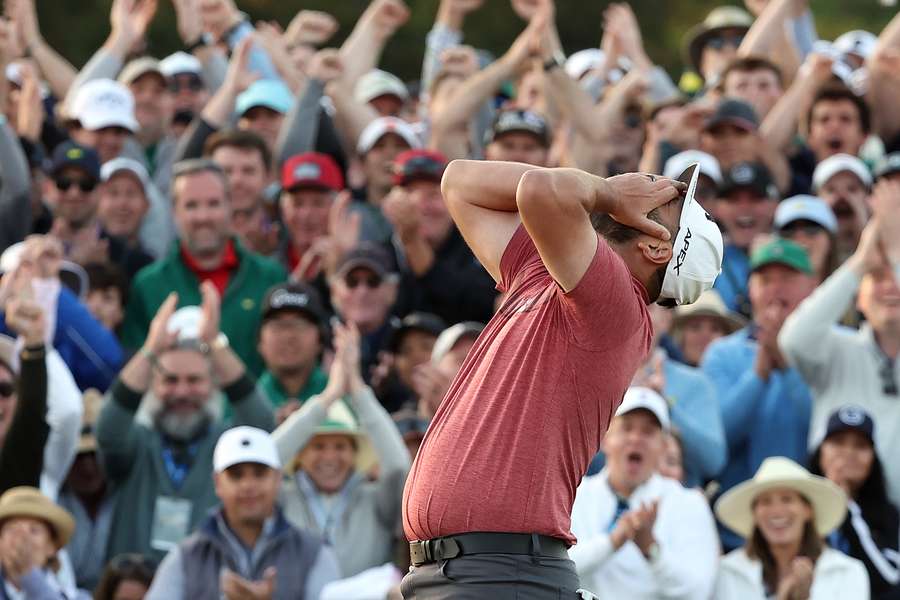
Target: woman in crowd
(127, 577)
(784, 513)
(695, 326)
(869, 532)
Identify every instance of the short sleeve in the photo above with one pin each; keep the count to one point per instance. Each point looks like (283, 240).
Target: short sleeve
(520, 253)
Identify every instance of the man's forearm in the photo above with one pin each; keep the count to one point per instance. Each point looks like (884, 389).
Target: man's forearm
(488, 184)
(136, 374)
(573, 185)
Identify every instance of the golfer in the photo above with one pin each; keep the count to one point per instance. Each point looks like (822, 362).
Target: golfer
(578, 258)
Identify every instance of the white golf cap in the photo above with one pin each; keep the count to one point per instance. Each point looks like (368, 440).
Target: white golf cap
(583, 61)
(647, 399)
(245, 445)
(104, 103)
(382, 126)
(805, 208)
(697, 251)
(180, 62)
(450, 336)
(122, 164)
(858, 42)
(839, 163)
(377, 83)
(678, 163)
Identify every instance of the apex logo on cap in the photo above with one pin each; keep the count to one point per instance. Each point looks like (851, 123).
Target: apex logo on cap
(682, 254)
(851, 415)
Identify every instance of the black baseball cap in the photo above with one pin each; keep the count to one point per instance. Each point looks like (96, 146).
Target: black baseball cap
(369, 255)
(70, 154)
(417, 321)
(294, 297)
(519, 121)
(752, 175)
(734, 112)
(851, 418)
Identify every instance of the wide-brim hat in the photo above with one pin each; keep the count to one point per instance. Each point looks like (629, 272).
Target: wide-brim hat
(709, 304)
(25, 501)
(829, 503)
(341, 421)
(722, 17)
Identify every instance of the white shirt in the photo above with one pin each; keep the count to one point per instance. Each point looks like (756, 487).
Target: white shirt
(685, 533)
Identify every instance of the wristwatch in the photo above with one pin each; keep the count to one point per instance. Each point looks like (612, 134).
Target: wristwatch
(219, 343)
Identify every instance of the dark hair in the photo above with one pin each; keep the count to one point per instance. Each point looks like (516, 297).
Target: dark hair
(872, 494)
(835, 92)
(238, 138)
(102, 276)
(811, 546)
(746, 64)
(124, 567)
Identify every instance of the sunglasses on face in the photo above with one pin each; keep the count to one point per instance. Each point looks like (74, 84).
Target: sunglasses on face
(7, 389)
(717, 42)
(806, 228)
(85, 185)
(370, 281)
(192, 83)
(422, 166)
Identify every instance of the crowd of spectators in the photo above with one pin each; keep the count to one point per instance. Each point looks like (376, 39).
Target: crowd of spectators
(233, 297)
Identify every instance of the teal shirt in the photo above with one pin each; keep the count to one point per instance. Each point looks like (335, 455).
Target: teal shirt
(277, 395)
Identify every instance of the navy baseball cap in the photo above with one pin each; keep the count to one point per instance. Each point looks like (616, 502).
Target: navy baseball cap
(851, 418)
(72, 155)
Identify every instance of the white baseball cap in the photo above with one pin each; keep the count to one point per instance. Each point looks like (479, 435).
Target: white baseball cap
(103, 103)
(382, 126)
(858, 42)
(647, 399)
(839, 163)
(180, 62)
(698, 251)
(678, 163)
(123, 164)
(245, 445)
(377, 83)
(450, 336)
(805, 207)
(583, 61)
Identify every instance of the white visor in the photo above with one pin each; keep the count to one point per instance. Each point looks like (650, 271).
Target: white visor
(697, 250)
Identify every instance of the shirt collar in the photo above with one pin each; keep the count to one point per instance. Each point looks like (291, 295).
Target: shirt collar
(229, 259)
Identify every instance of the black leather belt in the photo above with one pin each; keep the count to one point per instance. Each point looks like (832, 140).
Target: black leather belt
(423, 552)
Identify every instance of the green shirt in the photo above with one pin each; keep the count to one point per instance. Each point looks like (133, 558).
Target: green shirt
(277, 395)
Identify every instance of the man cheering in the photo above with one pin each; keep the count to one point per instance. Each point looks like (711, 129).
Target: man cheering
(579, 258)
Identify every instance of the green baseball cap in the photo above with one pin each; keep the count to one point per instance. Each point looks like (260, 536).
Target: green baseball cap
(781, 252)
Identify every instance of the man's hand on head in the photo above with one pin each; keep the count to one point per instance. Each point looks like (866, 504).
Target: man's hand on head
(635, 195)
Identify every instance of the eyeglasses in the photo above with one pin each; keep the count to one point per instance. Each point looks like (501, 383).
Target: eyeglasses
(807, 228)
(7, 389)
(421, 166)
(717, 42)
(85, 185)
(189, 82)
(371, 281)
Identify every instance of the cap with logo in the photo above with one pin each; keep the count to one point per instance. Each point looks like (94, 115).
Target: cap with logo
(859, 42)
(294, 297)
(781, 252)
(697, 249)
(519, 121)
(273, 94)
(114, 167)
(748, 175)
(245, 445)
(102, 103)
(417, 321)
(888, 165)
(368, 255)
(137, 68)
(311, 170)
(851, 418)
(180, 63)
(382, 126)
(414, 165)
(722, 17)
(71, 155)
(840, 163)
(805, 208)
(731, 111)
(642, 398)
(377, 83)
(678, 163)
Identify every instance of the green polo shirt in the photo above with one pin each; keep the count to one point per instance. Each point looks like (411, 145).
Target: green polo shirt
(277, 395)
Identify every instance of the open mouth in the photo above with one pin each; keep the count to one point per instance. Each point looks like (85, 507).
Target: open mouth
(634, 459)
(835, 144)
(745, 222)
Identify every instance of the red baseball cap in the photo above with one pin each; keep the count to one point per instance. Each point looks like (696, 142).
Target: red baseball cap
(311, 170)
(419, 164)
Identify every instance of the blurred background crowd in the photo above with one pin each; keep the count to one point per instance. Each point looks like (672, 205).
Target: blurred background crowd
(232, 296)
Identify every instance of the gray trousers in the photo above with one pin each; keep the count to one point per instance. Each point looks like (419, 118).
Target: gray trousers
(494, 577)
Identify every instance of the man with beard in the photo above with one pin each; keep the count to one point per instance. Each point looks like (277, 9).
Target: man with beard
(162, 470)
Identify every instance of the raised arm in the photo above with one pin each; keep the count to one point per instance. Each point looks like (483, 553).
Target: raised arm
(884, 81)
(768, 36)
(781, 123)
(57, 71)
(446, 33)
(361, 51)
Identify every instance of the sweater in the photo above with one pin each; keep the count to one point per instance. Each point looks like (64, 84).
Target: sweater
(835, 577)
(362, 522)
(844, 366)
(133, 457)
(241, 303)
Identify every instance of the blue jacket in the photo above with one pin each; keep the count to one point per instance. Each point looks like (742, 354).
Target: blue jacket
(91, 352)
(761, 418)
(732, 282)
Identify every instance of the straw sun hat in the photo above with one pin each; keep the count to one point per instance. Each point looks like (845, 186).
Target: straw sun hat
(709, 304)
(24, 501)
(340, 421)
(829, 503)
